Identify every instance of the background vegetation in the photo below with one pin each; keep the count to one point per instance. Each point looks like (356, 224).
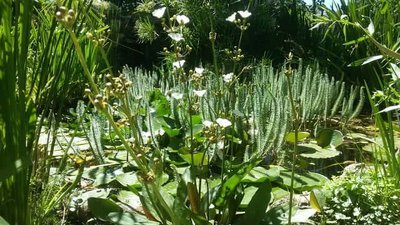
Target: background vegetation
(199, 112)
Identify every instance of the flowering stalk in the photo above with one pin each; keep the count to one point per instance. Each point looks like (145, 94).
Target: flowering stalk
(296, 122)
(68, 19)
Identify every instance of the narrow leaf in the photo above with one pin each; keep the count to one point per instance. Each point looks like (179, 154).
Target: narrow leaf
(390, 108)
(365, 61)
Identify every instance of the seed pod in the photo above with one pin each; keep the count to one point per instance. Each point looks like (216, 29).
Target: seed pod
(59, 16)
(99, 97)
(71, 12)
(87, 91)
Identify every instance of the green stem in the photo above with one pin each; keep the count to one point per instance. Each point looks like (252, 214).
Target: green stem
(296, 137)
(82, 60)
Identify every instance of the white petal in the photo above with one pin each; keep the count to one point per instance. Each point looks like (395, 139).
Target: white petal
(159, 12)
(223, 122)
(182, 19)
(244, 14)
(232, 17)
(160, 132)
(177, 96)
(176, 37)
(146, 134)
(178, 64)
(199, 70)
(199, 93)
(228, 77)
(207, 123)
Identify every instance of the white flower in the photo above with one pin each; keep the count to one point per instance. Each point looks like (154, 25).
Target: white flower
(344, 17)
(228, 77)
(199, 93)
(160, 132)
(207, 123)
(176, 37)
(244, 14)
(182, 19)
(158, 13)
(232, 17)
(178, 64)
(146, 134)
(224, 123)
(199, 70)
(356, 212)
(177, 96)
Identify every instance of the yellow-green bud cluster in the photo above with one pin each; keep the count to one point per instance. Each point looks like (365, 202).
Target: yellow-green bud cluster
(211, 133)
(117, 86)
(67, 17)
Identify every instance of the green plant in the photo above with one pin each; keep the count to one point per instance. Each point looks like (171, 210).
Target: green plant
(357, 197)
(17, 116)
(347, 48)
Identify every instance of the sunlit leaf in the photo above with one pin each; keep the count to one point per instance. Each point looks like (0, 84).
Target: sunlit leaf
(371, 27)
(258, 204)
(314, 202)
(390, 108)
(304, 181)
(366, 60)
(329, 137)
(198, 158)
(301, 136)
(229, 186)
(101, 207)
(317, 152)
(3, 221)
(129, 218)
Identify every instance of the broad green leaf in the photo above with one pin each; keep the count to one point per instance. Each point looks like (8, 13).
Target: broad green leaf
(160, 103)
(180, 209)
(101, 207)
(260, 174)
(129, 218)
(277, 215)
(303, 182)
(301, 136)
(302, 215)
(171, 132)
(258, 204)
(316, 152)
(279, 193)
(196, 119)
(248, 195)
(364, 61)
(102, 174)
(328, 137)
(229, 186)
(198, 158)
(128, 179)
(129, 198)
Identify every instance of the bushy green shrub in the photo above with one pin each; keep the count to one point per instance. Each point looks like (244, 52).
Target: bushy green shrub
(361, 198)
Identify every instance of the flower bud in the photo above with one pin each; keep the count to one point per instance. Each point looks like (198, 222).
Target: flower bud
(71, 12)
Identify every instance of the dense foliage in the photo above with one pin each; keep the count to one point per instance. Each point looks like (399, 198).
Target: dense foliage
(239, 114)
